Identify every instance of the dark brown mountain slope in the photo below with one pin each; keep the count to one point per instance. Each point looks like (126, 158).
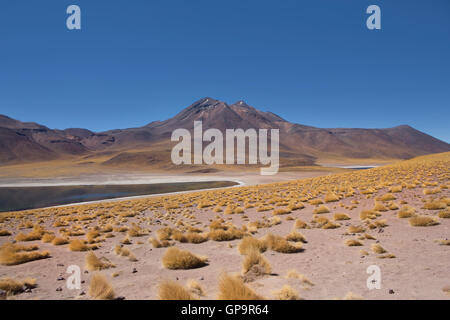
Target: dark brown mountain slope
(149, 145)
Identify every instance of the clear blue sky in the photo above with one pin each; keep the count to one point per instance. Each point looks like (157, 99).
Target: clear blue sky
(312, 62)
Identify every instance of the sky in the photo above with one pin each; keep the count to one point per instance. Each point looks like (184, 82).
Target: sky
(312, 62)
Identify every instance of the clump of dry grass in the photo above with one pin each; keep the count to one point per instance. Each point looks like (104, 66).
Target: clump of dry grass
(12, 286)
(233, 288)
(406, 211)
(249, 243)
(190, 237)
(59, 241)
(379, 207)
(35, 234)
(78, 245)
(11, 254)
(124, 252)
(321, 209)
(281, 211)
(377, 248)
(254, 260)
(159, 244)
(48, 237)
(355, 229)
(341, 216)
(296, 236)
(293, 274)
(99, 288)
(444, 214)
(353, 242)
(4, 233)
(315, 202)
(286, 293)
(387, 256)
(195, 288)
(431, 191)
(434, 205)
(280, 244)
(300, 224)
(331, 197)
(423, 221)
(330, 225)
(170, 290)
(175, 258)
(380, 223)
(368, 214)
(395, 189)
(387, 197)
(225, 235)
(93, 263)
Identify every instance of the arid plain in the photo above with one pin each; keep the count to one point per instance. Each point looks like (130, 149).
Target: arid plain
(311, 238)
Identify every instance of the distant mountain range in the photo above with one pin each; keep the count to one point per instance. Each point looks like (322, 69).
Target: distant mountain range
(23, 142)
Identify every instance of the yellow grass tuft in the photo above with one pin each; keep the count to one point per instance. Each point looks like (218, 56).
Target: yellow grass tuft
(11, 254)
(435, 205)
(195, 288)
(377, 248)
(233, 288)
(175, 258)
(296, 236)
(93, 263)
(59, 241)
(48, 237)
(321, 209)
(280, 244)
(353, 243)
(395, 189)
(387, 197)
(78, 245)
(355, 229)
(4, 233)
(36, 234)
(281, 211)
(444, 214)
(170, 290)
(293, 274)
(406, 211)
(100, 289)
(423, 221)
(300, 224)
(255, 261)
(11, 286)
(249, 243)
(225, 235)
(286, 293)
(341, 216)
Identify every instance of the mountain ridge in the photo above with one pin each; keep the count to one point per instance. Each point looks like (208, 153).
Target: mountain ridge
(28, 141)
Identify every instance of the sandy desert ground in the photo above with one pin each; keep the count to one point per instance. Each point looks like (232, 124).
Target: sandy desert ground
(311, 238)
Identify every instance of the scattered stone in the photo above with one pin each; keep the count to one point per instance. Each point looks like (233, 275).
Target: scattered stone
(60, 279)
(120, 298)
(202, 278)
(60, 265)
(82, 293)
(59, 289)
(85, 271)
(134, 270)
(82, 281)
(2, 294)
(391, 291)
